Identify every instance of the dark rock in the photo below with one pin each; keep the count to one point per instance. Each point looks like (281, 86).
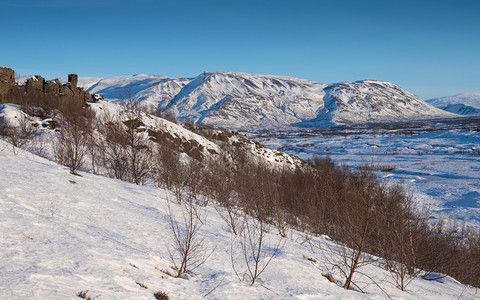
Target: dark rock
(36, 90)
(66, 90)
(35, 84)
(7, 81)
(73, 80)
(52, 87)
(50, 123)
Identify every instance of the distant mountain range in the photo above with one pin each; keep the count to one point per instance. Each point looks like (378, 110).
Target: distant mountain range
(462, 104)
(240, 100)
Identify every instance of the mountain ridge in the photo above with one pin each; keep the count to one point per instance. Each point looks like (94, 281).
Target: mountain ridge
(240, 100)
(467, 104)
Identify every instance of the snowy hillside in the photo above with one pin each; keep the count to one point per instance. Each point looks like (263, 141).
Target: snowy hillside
(240, 100)
(462, 109)
(64, 234)
(366, 100)
(462, 104)
(243, 100)
(119, 87)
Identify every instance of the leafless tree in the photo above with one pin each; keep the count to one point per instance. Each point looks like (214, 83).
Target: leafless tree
(114, 155)
(221, 188)
(138, 149)
(71, 147)
(187, 249)
(19, 132)
(196, 185)
(128, 152)
(252, 250)
(165, 162)
(354, 210)
(397, 239)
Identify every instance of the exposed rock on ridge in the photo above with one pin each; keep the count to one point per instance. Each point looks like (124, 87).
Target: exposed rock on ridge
(11, 91)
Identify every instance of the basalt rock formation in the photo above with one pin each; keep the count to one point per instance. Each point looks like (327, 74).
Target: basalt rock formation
(38, 91)
(7, 82)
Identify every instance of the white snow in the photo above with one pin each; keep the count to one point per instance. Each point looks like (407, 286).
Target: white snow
(106, 108)
(62, 234)
(122, 87)
(441, 167)
(464, 104)
(241, 100)
(471, 99)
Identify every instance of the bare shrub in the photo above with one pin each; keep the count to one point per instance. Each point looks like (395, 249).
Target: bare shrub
(71, 147)
(113, 152)
(187, 249)
(126, 151)
(50, 208)
(174, 174)
(94, 149)
(137, 148)
(396, 238)
(357, 225)
(160, 295)
(165, 161)
(17, 133)
(252, 250)
(84, 295)
(197, 186)
(221, 188)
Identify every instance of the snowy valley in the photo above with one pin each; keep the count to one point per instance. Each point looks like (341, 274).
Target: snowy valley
(113, 201)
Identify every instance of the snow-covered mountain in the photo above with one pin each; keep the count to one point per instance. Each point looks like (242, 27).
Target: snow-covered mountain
(119, 87)
(371, 100)
(240, 100)
(462, 104)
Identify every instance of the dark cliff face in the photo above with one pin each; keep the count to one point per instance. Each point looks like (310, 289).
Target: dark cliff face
(38, 92)
(7, 81)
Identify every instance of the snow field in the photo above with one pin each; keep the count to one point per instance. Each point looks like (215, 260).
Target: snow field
(441, 168)
(62, 234)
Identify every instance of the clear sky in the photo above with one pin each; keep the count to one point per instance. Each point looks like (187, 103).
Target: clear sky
(428, 47)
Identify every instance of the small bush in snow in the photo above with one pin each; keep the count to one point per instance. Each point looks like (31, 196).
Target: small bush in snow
(83, 295)
(161, 295)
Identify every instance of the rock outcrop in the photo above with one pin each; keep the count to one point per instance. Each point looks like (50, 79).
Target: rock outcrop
(53, 92)
(7, 82)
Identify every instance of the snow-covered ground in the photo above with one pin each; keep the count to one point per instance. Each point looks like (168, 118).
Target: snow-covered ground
(62, 234)
(441, 167)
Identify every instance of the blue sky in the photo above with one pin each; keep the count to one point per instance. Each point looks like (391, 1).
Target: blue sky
(430, 48)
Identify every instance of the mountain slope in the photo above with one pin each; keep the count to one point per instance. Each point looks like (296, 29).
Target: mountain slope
(462, 104)
(361, 101)
(79, 233)
(240, 100)
(119, 87)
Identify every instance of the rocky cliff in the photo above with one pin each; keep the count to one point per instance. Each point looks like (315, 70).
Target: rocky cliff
(38, 88)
